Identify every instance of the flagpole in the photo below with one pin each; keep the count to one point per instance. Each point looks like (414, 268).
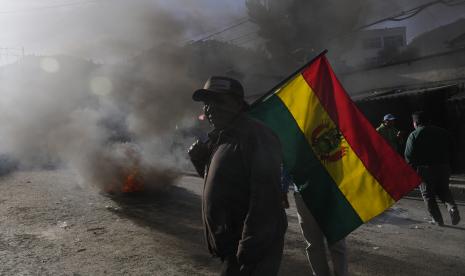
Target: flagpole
(281, 83)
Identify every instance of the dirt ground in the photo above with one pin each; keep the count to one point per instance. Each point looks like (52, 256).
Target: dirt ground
(51, 225)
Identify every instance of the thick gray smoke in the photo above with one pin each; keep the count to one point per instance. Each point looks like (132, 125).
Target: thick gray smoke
(63, 111)
(106, 122)
(296, 30)
(134, 115)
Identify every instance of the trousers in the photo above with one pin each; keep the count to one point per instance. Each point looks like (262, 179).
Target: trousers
(435, 183)
(316, 244)
(268, 265)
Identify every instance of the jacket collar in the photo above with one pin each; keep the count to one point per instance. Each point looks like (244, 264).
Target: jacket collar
(230, 131)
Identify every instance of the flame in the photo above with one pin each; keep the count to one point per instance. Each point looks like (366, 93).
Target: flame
(133, 182)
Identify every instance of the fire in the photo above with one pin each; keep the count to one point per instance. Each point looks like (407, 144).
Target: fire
(133, 182)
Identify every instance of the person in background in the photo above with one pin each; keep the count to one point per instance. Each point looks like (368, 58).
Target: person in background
(428, 150)
(314, 237)
(390, 133)
(243, 216)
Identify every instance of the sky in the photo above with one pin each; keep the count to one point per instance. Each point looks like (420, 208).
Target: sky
(102, 29)
(111, 30)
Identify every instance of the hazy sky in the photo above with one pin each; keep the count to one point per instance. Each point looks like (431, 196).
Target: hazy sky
(89, 28)
(105, 29)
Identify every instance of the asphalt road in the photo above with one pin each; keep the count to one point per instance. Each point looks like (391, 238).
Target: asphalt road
(51, 225)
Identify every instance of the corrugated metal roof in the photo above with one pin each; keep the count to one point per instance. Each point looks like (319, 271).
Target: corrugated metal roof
(396, 93)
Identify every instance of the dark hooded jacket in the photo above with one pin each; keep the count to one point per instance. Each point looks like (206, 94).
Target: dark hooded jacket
(242, 209)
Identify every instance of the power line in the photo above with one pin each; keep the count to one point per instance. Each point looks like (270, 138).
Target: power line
(397, 17)
(224, 30)
(414, 11)
(209, 34)
(215, 30)
(242, 36)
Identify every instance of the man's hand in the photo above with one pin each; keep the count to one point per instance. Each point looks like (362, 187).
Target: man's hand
(246, 270)
(199, 153)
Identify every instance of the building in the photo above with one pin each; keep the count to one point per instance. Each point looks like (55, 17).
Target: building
(445, 103)
(376, 46)
(432, 80)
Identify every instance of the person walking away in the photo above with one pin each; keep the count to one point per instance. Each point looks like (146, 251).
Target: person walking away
(314, 237)
(390, 133)
(244, 220)
(428, 150)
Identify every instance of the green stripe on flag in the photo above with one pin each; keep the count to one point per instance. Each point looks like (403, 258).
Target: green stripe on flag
(335, 217)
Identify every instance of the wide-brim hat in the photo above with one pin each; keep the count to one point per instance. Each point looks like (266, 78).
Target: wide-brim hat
(218, 85)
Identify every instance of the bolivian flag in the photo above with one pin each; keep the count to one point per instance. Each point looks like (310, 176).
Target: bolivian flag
(346, 173)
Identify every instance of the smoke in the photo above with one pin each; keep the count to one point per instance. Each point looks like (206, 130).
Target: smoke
(295, 30)
(107, 121)
(135, 112)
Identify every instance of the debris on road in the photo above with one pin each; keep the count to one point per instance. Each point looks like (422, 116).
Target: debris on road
(95, 229)
(63, 224)
(112, 208)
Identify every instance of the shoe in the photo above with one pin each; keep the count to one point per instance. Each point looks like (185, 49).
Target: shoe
(454, 215)
(435, 222)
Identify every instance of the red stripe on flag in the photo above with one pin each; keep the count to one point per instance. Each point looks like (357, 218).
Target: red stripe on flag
(388, 167)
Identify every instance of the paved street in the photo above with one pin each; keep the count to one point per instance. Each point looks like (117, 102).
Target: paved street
(401, 242)
(51, 225)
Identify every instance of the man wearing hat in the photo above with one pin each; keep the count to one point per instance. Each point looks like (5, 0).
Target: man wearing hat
(429, 150)
(242, 212)
(389, 132)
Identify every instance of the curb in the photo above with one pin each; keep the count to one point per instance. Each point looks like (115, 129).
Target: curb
(457, 190)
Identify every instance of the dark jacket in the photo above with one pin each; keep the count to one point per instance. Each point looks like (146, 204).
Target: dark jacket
(242, 209)
(389, 133)
(428, 145)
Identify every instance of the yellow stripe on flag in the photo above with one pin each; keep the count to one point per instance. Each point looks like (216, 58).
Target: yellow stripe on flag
(360, 188)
